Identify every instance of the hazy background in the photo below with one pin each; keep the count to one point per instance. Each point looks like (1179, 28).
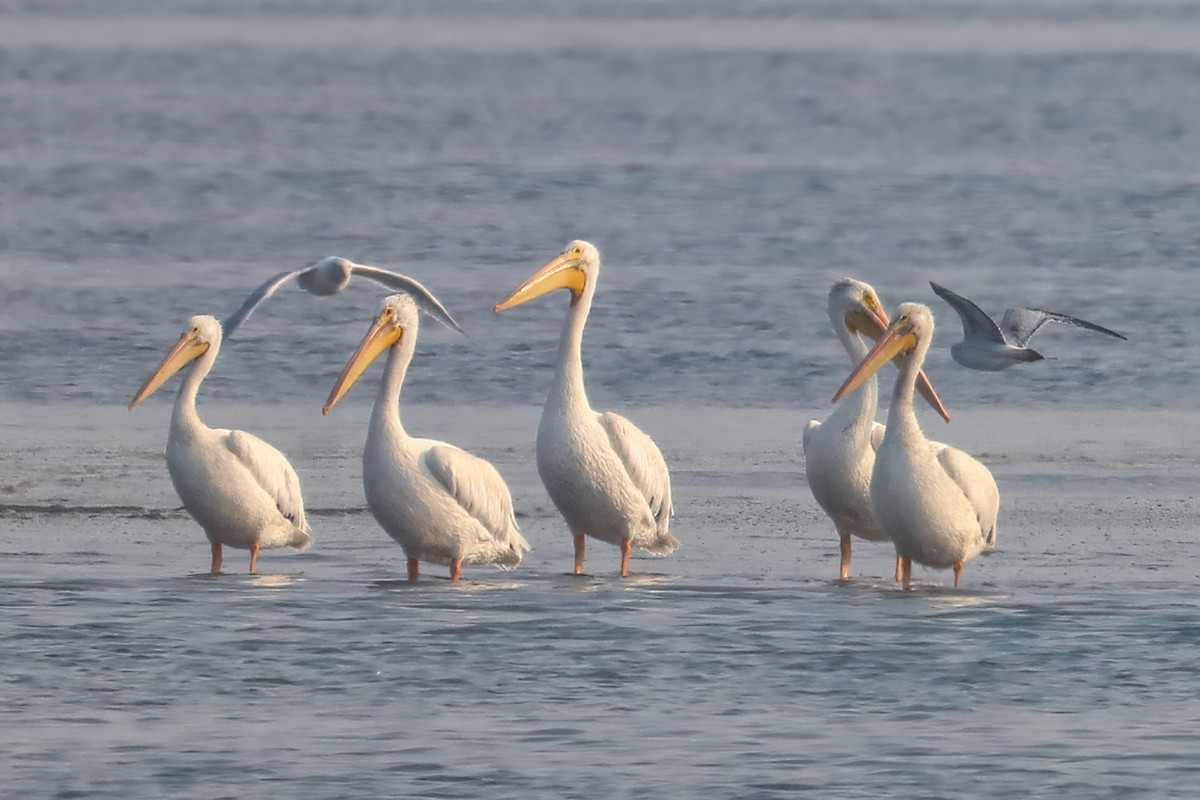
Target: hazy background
(730, 161)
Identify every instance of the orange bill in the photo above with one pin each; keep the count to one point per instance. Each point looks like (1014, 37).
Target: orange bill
(381, 336)
(873, 322)
(185, 351)
(561, 273)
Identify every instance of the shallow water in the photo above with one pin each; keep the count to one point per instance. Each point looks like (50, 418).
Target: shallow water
(735, 668)
(730, 165)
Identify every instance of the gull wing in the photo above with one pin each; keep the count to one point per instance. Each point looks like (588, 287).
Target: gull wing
(1020, 324)
(976, 324)
(644, 463)
(425, 299)
(477, 487)
(272, 472)
(257, 296)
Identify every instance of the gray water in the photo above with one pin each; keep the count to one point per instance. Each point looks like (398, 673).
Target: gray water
(730, 162)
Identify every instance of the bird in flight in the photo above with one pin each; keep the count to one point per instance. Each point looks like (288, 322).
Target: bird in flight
(990, 347)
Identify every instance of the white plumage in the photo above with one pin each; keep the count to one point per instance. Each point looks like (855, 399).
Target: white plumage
(605, 476)
(936, 503)
(241, 490)
(441, 504)
(839, 454)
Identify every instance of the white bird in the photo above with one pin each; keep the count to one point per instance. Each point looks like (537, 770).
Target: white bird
(241, 490)
(839, 455)
(990, 347)
(443, 505)
(606, 477)
(330, 276)
(937, 504)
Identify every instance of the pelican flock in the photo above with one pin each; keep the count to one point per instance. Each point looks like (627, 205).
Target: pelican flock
(605, 476)
(936, 503)
(839, 454)
(441, 504)
(989, 347)
(241, 490)
(330, 276)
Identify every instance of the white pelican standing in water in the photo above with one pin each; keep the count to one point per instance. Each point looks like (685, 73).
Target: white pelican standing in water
(839, 455)
(442, 504)
(606, 477)
(241, 490)
(989, 347)
(937, 504)
(330, 276)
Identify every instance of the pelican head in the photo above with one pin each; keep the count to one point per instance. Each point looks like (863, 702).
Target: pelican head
(202, 333)
(575, 268)
(397, 316)
(855, 305)
(909, 333)
(327, 276)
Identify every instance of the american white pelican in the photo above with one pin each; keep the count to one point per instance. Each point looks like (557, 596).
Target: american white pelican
(241, 490)
(606, 477)
(839, 455)
(442, 504)
(330, 276)
(990, 347)
(937, 504)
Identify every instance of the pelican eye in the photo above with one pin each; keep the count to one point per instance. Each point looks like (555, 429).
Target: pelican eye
(577, 252)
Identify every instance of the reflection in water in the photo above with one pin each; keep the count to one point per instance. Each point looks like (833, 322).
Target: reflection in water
(434, 583)
(273, 581)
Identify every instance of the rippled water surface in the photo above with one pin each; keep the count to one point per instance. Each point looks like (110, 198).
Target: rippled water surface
(730, 162)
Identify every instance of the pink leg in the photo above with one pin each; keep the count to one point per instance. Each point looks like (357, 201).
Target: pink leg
(579, 545)
(216, 558)
(414, 570)
(254, 548)
(906, 572)
(845, 548)
(626, 554)
(958, 571)
(897, 567)
(456, 569)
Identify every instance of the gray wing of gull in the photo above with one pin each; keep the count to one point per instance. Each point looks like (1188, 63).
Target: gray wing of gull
(425, 299)
(1020, 324)
(976, 324)
(257, 296)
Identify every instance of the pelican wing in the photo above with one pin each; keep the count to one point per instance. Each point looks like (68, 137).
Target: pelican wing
(1020, 324)
(425, 299)
(877, 432)
(645, 464)
(272, 472)
(257, 296)
(475, 485)
(977, 484)
(812, 427)
(976, 324)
